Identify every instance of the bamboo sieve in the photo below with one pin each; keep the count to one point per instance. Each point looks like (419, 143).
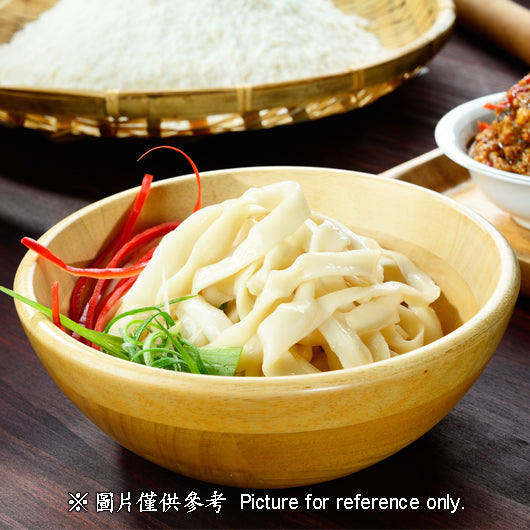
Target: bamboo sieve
(413, 31)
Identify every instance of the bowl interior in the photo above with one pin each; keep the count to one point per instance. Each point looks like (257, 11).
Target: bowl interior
(457, 250)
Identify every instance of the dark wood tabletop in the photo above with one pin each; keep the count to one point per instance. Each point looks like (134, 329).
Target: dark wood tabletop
(470, 471)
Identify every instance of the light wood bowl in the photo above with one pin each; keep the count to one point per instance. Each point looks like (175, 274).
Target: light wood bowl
(294, 430)
(412, 31)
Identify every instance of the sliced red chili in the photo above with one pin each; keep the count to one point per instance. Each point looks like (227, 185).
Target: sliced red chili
(502, 105)
(194, 167)
(56, 312)
(87, 303)
(89, 272)
(130, 246)
(82, 286)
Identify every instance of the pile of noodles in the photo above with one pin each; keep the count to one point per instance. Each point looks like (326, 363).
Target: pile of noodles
(299, 291)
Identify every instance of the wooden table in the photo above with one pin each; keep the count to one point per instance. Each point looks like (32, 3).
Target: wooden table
(49, 452)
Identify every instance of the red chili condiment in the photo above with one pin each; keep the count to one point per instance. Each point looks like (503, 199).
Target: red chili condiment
(505, 143)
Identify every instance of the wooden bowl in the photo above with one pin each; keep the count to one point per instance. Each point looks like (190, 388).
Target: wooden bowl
(293, 430)
(412, 32)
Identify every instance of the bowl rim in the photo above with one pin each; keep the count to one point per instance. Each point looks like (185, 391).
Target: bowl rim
(505, 289)
(450, 142)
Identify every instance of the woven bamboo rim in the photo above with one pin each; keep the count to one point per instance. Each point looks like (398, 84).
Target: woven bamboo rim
(412, 30)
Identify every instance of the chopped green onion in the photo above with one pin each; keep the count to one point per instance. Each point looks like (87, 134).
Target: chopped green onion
(154, 341)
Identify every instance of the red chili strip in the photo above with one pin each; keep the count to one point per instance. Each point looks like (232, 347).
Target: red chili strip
(502, 105)
(194, 167)
(143, 238)
(139, 240)
(483, 125)
(76, 298)
(82, 285)
(104, 268)
(56, 314)
(111, 299)
(138, 204)
(107, 303)
(117, 272)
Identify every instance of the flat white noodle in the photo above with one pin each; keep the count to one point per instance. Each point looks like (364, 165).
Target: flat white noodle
(300, 292)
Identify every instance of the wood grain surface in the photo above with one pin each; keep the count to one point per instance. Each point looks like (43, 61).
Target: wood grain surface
(49, 451)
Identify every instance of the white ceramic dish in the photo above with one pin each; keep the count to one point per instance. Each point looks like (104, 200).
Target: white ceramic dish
(453, 134)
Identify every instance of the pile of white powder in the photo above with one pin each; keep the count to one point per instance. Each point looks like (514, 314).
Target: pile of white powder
(159, 44)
